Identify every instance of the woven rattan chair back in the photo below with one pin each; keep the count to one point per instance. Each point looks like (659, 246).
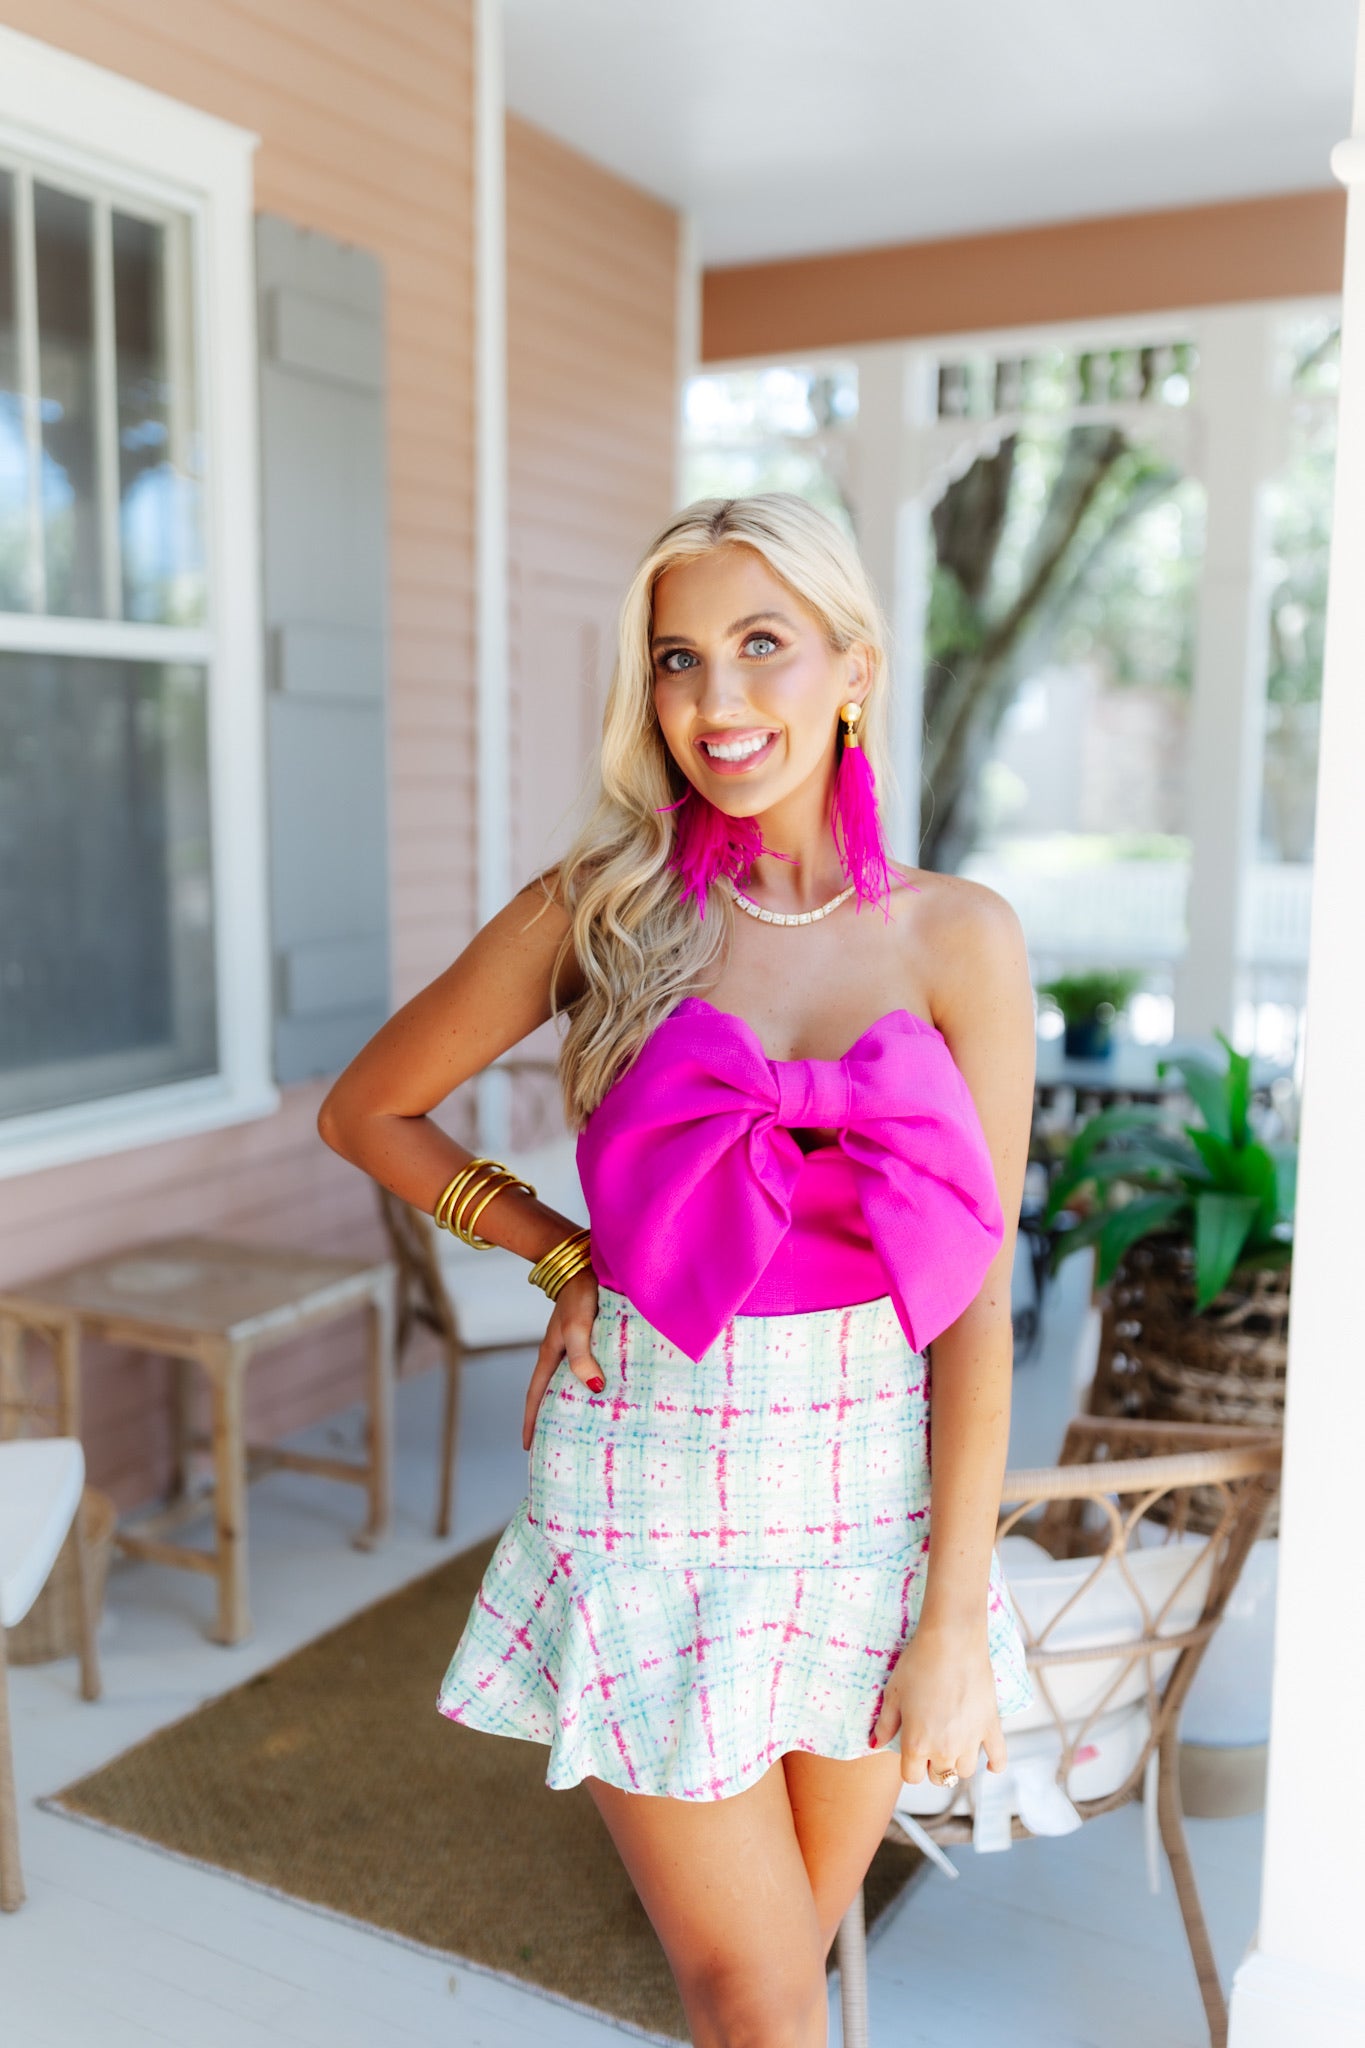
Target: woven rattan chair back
(1113, 1474)
(423, 1297)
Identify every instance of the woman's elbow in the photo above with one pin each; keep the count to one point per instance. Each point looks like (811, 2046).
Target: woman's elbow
(334, 1127)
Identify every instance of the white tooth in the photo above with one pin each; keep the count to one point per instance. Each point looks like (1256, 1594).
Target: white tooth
(735, 750)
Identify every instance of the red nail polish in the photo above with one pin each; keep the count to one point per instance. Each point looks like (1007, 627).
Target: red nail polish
(598, 1386)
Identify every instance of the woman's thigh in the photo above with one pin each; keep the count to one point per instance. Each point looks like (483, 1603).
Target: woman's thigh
(725, 1885)
(840, 1808)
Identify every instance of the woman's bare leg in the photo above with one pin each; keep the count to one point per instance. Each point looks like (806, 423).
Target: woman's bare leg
(726, 1888)
(840, 1808)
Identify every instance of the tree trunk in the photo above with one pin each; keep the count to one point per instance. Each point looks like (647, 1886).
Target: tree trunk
(973, 667)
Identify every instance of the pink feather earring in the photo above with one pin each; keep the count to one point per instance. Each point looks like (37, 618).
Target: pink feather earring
(708, 845)
(855, 820)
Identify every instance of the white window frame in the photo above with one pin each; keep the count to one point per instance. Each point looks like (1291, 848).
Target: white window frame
(60, 110)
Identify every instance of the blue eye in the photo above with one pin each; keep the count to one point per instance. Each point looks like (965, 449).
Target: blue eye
(771, 647)
(675, 653)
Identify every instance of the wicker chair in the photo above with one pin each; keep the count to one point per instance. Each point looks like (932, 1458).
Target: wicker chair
(478, 1301)
(1114, 1474)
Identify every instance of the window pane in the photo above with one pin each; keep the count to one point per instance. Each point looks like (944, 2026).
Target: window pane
(106, 918)
(159, 471)
(64, 229)
(13, 447)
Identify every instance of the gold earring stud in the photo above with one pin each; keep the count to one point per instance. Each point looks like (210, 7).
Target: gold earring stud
(850, 714)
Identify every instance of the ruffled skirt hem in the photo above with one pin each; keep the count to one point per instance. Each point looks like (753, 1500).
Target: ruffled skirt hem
(688, 1682)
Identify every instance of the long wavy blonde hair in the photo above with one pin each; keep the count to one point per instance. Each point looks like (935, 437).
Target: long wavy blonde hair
(639, 945)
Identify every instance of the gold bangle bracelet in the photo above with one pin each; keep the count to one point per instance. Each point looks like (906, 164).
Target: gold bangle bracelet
(452, 1188)
(555, 1287)
(567, 1249)
(576, 1236)
(572, 1263)
(468, 1194)
(483, 1175)
(464, 1221)
(481, 1186)
(468, 1180)
(581, 1264)
(463, 1217)
(558, 1265)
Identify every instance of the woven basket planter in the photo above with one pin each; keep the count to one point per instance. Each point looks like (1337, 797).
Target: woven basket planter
(1160, 1360)
(52, 1626)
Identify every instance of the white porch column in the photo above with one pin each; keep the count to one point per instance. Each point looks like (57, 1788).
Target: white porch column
(890, 540)
(1304, 1978)
(688, 327)
(1231, 652)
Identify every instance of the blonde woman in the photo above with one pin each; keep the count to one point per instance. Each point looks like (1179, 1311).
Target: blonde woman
(802, 1079)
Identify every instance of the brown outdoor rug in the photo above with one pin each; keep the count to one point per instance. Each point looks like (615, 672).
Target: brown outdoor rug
(331, 1778)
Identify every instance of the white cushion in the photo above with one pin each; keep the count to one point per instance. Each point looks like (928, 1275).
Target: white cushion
(40, 1490)
(488, 1290)
(1106, 1611)
(493, 1304)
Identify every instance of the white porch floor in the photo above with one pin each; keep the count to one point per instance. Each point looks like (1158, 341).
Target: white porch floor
(1052, 1944)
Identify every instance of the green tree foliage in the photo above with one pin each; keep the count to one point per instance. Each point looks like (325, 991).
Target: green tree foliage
(989, 615)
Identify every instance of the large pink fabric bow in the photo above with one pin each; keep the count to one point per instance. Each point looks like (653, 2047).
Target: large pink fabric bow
(688, 1168)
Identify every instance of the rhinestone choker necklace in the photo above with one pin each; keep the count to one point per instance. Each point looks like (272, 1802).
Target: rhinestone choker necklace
(789, 916)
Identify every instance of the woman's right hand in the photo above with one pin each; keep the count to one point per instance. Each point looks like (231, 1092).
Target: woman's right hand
(568, 1336)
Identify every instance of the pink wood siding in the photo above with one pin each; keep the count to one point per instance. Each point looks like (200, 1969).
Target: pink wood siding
(364, 116)
(592, 294)
(365, 120)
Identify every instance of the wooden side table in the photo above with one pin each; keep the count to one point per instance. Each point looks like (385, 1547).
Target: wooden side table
(207, 1302)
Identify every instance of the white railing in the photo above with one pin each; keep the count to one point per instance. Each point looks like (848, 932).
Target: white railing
(1132, 912)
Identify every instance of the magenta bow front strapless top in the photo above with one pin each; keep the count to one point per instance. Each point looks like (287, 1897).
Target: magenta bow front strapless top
(703, 1206)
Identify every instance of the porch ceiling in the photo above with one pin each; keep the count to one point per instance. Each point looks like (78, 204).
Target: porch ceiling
(794, 126)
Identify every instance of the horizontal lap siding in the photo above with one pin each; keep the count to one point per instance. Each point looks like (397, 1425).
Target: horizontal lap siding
(364, 116)
(592, 380)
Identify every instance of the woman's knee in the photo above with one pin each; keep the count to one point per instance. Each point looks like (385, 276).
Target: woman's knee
(729, 1896)
(748, 2003)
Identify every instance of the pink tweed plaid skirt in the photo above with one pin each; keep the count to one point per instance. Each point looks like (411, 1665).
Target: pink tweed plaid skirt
(717, 1561)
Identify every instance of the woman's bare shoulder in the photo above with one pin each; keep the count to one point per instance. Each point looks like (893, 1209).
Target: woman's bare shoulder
(954, 898)
(952, 906)
(959, 934)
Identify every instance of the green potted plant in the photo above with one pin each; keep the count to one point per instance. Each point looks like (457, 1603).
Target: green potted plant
(1193, 1230)
(1219, 1188)
(1089, 1003)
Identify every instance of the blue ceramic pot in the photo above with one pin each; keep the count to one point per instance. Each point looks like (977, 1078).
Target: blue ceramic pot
(1090, 1039)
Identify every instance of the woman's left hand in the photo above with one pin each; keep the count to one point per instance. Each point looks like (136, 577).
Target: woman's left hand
(941, 1696)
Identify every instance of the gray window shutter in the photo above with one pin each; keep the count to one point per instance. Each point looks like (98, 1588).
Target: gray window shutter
(324, 533)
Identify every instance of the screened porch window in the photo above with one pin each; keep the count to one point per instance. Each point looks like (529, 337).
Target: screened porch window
(107, 977)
